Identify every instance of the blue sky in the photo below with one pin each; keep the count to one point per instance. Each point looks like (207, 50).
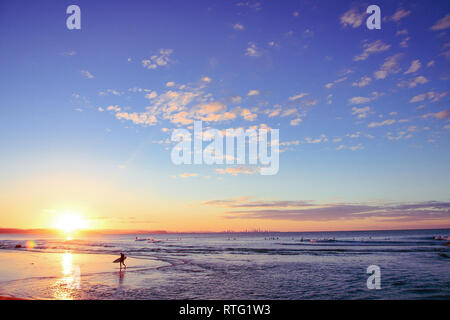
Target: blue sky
(363, 114)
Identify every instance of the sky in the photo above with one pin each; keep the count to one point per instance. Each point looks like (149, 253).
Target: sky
(363, 115)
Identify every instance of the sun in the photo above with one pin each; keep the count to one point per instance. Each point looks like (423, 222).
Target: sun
(69, 222)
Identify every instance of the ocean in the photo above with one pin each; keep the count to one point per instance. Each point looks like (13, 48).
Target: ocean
(413, 264)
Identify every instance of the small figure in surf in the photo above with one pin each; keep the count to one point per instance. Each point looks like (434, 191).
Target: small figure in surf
(121, 260)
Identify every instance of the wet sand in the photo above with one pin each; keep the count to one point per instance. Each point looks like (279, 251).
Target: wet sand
(63, 270)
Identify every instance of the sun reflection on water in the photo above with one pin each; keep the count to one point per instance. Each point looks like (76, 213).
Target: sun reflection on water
(66, 287)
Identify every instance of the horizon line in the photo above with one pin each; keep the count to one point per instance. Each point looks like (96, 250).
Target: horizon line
(123, 232)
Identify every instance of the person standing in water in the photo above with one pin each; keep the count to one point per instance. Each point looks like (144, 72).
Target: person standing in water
(122, 260)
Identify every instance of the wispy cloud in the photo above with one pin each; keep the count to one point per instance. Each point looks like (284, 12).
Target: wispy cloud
(69, 53)
(252, 50)
(364, 81)
(389, 66)
(413, 82)
(438, 115)
(161, 59)
(398, 15)
(87, 74)
(331, 84)
(308, 210)
(415, 65)
(361, 113)
(442, 24)
(382, 123)
(238, 27)
(351, 148)
(353, 18)
(371, 48)
(431, 95)
(362, 100)
(298, 96)
(186, 175)
(234, 171)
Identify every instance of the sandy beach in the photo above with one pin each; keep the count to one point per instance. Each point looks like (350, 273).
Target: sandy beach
(23, 273)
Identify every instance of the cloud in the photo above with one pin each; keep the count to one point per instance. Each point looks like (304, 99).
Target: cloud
(298, 96)
(322, 138)
(352, 18)
(364, 81)
(252, 50)
(296, 121)
(151, 95)
(438, 115)
(309, 103)
(248, 115)
(87, 74)
(361, 113)
(244, 208)
(275, 111)
(137, 118)
(415, 65)
(109, 91)
(351, 148)
(185, 104)
(431, 95)
(206, 79)
(289, 112)
(404, 43)
(234, 171)
(113, 108)
(69, 53)
(414, 82)
(187, 175)
(390, 65)
(387, 122)
(331, 84)
(170, 84)
(238, 26)
(371, 48)
(250, 4)
(398, 15)
(442, 24)
(213, 112)
(400, 135)
(236, 99)
(253, 93)
(361, 100)
(160, 60)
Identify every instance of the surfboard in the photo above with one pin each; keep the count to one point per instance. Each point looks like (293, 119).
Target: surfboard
(119, 259)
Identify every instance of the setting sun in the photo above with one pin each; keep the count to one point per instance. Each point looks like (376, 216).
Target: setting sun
(70, 222)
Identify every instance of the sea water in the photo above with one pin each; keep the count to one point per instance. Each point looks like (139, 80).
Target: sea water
(414, 264)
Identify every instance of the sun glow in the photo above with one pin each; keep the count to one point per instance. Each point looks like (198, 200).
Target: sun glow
(70, 223)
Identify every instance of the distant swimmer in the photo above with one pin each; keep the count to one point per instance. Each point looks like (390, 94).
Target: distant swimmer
(121, 260)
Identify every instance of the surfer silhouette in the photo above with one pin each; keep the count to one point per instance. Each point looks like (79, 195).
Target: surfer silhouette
(121, 260)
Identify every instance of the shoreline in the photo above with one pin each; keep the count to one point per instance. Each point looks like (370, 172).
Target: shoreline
(105, 232)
